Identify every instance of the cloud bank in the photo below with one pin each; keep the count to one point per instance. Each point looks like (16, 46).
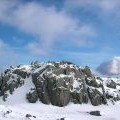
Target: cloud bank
(111, 67)
(45, 23)
(106, 6)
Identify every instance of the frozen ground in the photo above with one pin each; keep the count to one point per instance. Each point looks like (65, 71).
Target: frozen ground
(49, 112)
(16, 107)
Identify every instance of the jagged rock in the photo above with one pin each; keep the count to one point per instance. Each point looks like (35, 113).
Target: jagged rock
(59, 90)
(32, 97)
(96, 113)
(81, 97)
(96, 97)
(6, 71)
(20, 72)
(35, 64)
(115, 96)
(79, 94)
(8, 82)
(111, 84)
(41, 87)
(87, 71)
(59, 71)
(55, 87)
(92, 81)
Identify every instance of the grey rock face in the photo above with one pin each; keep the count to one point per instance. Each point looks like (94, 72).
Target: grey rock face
(50, 88)
(21, 73)
(59, 92)
(54, 83)
(80, 98)
(9, 82)
(79, 94)
(41, 87)
(91, 81)
(87, 71)
(111, 84)
(32, 97)
(96, 97)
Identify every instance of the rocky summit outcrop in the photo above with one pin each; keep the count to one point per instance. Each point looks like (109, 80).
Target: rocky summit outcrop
(58, 83)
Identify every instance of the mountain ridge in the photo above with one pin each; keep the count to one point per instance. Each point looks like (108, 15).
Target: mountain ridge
(56, 83)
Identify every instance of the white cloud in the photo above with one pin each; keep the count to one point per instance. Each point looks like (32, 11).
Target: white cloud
(7, 55)
(99, 6)
(111, 67)
(44, 22)
(35, 49)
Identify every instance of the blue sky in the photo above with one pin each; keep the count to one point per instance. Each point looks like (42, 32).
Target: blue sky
(82, 31)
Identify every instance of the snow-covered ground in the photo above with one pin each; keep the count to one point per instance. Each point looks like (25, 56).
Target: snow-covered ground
(49, 112)
(16, 108)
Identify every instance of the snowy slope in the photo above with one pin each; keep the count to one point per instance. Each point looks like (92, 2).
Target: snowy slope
(49, 112)
(19, 95)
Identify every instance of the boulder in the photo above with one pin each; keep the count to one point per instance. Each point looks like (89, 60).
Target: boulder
(95, 113)
(32, 97)
(59, 91)
(111, 84)
(29, 116)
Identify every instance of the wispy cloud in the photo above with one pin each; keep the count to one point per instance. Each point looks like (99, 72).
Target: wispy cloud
(2, 44)
(47, 23)
(100, 5)
(92, 59)
(7, 55)
(5, 49)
